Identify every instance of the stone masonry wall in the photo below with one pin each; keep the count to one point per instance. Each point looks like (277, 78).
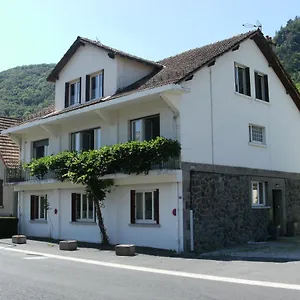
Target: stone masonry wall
(223, 214)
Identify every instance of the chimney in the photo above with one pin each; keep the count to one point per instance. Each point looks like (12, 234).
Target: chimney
(271, 43)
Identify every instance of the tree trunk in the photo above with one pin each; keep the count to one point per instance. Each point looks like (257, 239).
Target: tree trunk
(105, 240)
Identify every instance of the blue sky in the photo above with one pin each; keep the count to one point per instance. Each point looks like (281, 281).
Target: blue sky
(40, 31)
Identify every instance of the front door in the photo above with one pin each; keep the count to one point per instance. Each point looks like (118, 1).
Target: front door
(278, 210)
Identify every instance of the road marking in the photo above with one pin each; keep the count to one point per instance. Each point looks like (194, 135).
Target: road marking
(35, 257)
(277, 285)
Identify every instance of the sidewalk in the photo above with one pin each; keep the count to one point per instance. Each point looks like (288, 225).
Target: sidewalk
(282, 250)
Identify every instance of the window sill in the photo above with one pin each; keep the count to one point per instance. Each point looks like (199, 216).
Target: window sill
(262, 101)
(38, 221)
(144, 225)
(243, 95)
(258, 145)
(84, 223)
(260, 207)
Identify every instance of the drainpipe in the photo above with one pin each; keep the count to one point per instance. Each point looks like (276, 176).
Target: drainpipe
(192, 171)
(211, 119)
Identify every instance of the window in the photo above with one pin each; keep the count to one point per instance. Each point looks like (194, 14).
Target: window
(1, 193)
(83, 208)
(261, 87)
(242, 80)
(94, 86)
(40, 148)
(145, 129)
(73, 93)
(38, 207)
(257, 134)
(258, 193)
(145, 206)
(86, 140)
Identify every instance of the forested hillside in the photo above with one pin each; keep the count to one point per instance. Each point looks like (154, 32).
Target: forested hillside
(24, 90)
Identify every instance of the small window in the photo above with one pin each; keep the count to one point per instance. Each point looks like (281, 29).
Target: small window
(38, 207)
(83, 208)
(257, 135)
(86, 140)
(73, 93)
(258, 193)
(145, 206)
(40, 148)
(242, 80)
(145, 129)
(261, 87)
(94, 86)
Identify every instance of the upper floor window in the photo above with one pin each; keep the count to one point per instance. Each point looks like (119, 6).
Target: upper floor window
(86, 140)
(257, 134)
(38, 207)
(242, 80)
(82, 208)
(94, 86)
(258, 193)
(40, 148)
(261, 86)
(73, 93)
(145, 129)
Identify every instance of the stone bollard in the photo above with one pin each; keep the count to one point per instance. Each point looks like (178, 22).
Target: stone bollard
(19, 239)
(125, 250)
(68, 245)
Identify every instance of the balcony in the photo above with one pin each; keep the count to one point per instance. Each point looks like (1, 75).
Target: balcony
(17, 175)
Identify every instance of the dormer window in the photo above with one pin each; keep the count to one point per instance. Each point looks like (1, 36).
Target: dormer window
(73, 93)
(94, 86)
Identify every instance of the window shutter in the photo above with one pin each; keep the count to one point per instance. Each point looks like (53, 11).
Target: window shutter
(67, 85)
(80, 90)
(132, 206)
(248, 87)
(266, 88)
(32, 207)
(87, 88)
(256, 84)
(156, 206)
(73, 207)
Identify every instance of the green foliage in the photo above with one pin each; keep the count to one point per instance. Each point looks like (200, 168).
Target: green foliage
(287, 41)
(24, 90)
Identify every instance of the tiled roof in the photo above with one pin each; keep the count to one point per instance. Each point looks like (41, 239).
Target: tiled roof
(9, 150)
(181, 66)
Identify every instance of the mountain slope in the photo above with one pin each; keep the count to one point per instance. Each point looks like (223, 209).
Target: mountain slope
(24, 90)
(287, 41)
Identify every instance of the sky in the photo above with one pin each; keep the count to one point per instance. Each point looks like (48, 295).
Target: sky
(41, 31)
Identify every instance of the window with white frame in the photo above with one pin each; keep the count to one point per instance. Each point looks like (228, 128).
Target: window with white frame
(73, 92)
(261, 86)
(38, 207)
(86, 140)
(242, 79)
(94, 86)
(83, 208)
(145, 129)
(257, 134)
(258, 193)
(40, 148)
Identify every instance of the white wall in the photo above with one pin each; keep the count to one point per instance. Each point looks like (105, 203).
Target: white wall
(232, 114)
(116, 214)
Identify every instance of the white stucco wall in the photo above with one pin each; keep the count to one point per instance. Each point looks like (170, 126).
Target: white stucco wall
(232, 114)
(116, 215)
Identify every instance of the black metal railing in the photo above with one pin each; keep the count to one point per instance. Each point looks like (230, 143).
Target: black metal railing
(18, 174)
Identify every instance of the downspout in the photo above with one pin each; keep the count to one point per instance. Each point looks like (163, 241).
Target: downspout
(192, 171)
(178, 218)
(211, 118)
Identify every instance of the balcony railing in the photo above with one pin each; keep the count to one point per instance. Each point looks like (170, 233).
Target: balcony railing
(18, 174)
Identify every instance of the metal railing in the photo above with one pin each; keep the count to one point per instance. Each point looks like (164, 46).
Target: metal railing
(18, 174)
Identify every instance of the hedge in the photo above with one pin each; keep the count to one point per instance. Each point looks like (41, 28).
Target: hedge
(8, 227)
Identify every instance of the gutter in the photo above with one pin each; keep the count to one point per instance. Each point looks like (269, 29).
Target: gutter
(191, 213)
(101, 105)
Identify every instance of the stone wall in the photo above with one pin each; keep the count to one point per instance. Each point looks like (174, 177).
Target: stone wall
(223, 214)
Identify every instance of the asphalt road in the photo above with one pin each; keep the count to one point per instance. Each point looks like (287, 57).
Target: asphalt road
(24, 276)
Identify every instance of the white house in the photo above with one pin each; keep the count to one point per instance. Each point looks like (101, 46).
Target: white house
(235, 112)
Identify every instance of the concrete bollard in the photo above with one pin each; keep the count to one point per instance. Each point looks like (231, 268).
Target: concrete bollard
(68, 245)
(125, 250)
(19, 239)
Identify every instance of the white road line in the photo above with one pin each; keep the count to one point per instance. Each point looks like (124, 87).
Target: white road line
(277, 285)
(35, 257)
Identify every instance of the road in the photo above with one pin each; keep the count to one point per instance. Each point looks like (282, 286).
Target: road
(78, 275)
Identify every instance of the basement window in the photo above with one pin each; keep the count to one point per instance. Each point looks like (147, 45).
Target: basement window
(145, 129)
(258, 194)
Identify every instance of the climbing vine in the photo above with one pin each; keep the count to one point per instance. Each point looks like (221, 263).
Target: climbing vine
(88, 167)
